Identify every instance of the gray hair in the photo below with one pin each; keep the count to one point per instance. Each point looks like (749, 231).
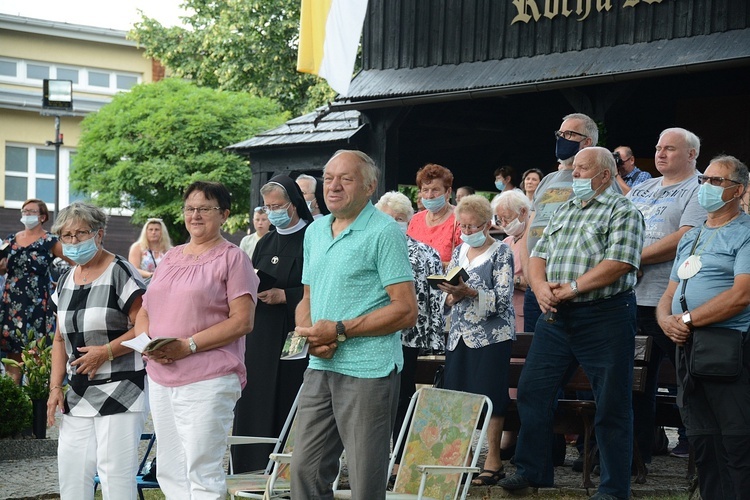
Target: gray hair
(513, 200)
(592, 129)
(370, 172)
(604, 159)
(739, 169)
(271, 187)
(396, 202)
(310, 178)
(691, 139)
(92, 216)
(475, 204)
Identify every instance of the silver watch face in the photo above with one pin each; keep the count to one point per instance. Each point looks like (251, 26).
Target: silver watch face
(341, 337)
(686, 318)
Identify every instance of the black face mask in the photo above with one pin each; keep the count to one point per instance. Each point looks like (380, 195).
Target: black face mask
(565, 148)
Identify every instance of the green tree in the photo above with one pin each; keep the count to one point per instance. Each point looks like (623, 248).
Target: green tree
(144, 148)
(240, 45)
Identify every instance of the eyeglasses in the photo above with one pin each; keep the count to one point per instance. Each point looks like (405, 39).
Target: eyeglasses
(714, 181)
(469, 227)
(273, 208)
(502, 221)
(78, 235)
(569, 134)
(29, 212)
(201, 210)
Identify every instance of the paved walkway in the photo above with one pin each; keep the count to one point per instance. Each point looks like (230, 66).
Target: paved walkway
(36, 478)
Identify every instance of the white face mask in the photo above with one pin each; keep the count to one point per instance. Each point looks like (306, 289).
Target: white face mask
(515, 228)
(403, 225)
(30, 221)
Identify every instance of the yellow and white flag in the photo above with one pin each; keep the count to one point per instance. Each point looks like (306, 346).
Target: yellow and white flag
(329, 36)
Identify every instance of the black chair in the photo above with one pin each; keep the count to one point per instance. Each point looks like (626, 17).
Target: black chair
(142, 484)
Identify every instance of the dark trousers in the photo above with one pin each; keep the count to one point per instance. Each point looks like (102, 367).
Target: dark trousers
(723, 464)
(644, 404)
(531, 310)
(601, 336)
(407, 390)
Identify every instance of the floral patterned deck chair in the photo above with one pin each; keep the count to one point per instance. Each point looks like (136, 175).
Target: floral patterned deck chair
(437, 451)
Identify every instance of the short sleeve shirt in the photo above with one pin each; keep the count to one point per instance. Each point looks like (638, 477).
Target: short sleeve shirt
(665, 210)
(94, 314)
(347, 276)
(578, 238)
(188, 294)
(724, 253)
(554, 190)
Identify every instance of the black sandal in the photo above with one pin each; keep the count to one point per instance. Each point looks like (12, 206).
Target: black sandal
(490, 480)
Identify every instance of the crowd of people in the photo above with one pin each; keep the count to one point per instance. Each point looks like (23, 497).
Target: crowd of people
(584, 257)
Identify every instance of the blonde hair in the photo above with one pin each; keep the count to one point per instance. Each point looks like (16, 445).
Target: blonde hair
(165, 243)
(475, 204)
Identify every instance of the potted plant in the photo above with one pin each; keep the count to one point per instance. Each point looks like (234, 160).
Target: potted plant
(35, 366)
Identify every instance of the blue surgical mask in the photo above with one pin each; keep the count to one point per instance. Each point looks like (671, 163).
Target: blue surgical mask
(279, 218)
(403, 225)
(565, 149)
(475, 240)
(500, 185)
(81, 253)
(709, 197)
(582, 188)
(434, 204)
(30, 221)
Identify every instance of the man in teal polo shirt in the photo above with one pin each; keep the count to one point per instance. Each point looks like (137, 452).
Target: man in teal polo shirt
(358, 296)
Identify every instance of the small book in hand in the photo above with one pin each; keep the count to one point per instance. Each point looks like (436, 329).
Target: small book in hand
(295, 347)
(143, 343)
(451, 277)
(4, 249)
(266, 280)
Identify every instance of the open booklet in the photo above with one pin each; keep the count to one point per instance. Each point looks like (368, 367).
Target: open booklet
(295, 347)
(452, 277)
(143, 343)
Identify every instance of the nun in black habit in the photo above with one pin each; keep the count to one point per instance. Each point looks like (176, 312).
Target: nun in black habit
(273, 384)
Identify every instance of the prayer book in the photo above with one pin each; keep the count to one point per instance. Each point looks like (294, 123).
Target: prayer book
(451, 277)
(295, 347)
(266, 280)
(143, 343)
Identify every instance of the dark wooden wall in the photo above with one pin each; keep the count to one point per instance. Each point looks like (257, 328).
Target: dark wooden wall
(421, 33)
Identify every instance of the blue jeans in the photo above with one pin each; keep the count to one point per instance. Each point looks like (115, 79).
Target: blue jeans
(600, 335)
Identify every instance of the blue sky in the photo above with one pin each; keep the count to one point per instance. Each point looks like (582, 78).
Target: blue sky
(115, 14)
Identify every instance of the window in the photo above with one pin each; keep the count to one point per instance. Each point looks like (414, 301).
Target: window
(125, 82)
(29, 173)
(67, 74)
(37, 71)
(8, 68)
(97, 79)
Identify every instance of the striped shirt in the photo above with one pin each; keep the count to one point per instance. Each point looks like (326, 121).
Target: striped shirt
(578, 238)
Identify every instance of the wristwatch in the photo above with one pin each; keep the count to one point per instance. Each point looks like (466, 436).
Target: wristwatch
(340, 331)
(193, 347)
(687, 319)
(574, 286)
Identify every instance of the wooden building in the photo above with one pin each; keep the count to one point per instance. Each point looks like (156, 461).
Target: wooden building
(475, 84)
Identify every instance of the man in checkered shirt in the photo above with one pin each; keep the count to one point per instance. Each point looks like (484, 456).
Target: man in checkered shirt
(582, 271)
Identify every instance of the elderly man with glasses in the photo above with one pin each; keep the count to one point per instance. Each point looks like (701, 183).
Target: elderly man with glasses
(628, 175)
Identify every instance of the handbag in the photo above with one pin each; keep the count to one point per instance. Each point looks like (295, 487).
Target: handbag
(713, 353)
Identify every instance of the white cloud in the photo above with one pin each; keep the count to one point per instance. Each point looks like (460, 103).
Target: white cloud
(115, 14)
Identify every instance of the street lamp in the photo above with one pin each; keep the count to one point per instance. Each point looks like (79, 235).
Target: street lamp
(57, 98)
